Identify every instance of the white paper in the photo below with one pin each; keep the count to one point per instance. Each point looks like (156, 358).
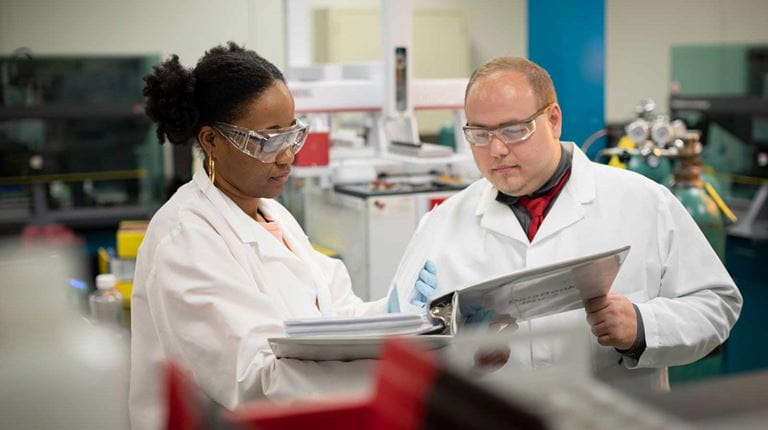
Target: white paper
(376, 325)
(538, 292)
(321, 348)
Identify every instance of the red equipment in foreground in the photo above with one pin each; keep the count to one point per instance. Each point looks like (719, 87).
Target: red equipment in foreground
(412, 392)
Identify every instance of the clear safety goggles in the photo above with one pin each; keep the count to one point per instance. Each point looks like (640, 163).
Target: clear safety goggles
(265, 145)
(511, 132)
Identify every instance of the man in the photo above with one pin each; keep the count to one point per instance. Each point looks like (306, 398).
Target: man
(543, 201)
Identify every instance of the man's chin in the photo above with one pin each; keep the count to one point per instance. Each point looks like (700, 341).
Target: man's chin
(514, 190)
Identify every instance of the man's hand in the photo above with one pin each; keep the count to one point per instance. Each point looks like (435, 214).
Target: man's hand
(613, 320)
(490, 359)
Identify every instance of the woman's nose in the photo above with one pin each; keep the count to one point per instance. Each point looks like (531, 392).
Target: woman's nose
(285, 156)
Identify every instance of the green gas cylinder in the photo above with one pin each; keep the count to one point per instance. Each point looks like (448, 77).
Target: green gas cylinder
(707, 216)
(689, 188)
(706, 177)
(446, 136)
(710, 178)
(651, 166)
(705, 212)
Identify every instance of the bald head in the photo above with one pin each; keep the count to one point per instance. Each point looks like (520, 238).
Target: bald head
(499, 68)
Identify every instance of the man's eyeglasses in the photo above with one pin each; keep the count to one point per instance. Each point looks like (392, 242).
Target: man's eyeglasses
(511, 132)
(265, 145)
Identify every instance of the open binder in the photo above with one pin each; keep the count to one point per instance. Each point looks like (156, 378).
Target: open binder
(519, 296)
(531, 293)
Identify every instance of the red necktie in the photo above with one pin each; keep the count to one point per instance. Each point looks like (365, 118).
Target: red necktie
(537, 206)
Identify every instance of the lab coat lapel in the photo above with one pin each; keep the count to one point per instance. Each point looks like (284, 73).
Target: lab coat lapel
(245, 227)
(579, 191)
(312, 272)
(565, 212)
(306, 267)
(292, 235)
(498, 217)
(268, 245)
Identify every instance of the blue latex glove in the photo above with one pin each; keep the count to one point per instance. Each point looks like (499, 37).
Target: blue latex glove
(393, 303)
(480, 317)
(426, 285)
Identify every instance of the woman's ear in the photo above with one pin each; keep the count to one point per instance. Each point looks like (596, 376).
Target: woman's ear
(206, 137)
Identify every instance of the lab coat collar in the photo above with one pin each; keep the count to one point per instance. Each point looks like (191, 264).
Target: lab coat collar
(236, 218)
(268, 244)
(245, 227)
(568, 208)
(582, 181)
(497, 216)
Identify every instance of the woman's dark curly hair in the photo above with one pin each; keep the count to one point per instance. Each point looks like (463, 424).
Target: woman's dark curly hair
(181, 100)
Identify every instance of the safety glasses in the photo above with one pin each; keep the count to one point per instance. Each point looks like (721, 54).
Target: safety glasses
(511, 132)
(265, 145)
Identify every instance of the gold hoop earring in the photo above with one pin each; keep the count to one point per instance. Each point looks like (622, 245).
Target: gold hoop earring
(211, 169)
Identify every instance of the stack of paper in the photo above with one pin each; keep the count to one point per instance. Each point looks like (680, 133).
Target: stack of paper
(377, 325)
(321, 348)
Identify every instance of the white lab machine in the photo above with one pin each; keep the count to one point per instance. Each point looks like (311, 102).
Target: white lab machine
(370, 227)
(385, 89)
(346, 209)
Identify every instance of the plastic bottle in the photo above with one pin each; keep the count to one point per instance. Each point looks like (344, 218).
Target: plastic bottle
(106, 302)
(55, 358)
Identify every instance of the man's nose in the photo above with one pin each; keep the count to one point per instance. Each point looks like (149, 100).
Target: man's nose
(497, 146)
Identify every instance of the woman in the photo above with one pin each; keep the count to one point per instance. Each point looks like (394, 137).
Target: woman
(222, 264)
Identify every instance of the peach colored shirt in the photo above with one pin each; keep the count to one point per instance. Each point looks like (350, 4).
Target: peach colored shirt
(274, 229)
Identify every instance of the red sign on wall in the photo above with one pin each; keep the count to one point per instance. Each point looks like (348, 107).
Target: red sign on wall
(435, 202)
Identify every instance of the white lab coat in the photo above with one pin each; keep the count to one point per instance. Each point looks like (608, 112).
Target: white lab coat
(211, 285)
(686, 297)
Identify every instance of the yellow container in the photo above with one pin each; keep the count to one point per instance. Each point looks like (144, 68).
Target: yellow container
(325, 251)
(125, 288)
(103, 260)
(129, 237)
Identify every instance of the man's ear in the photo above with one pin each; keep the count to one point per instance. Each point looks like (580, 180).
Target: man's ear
(206, 137)
(555, 120)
